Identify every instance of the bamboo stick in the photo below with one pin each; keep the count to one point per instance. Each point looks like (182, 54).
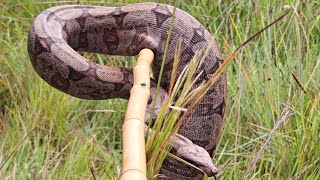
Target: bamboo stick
(134, 155)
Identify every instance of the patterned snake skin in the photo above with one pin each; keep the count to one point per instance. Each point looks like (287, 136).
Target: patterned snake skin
(57, 33)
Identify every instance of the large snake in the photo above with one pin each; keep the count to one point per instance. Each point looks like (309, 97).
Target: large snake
(57, 33)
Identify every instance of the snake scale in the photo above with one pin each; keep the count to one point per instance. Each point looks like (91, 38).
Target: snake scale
(59, 32)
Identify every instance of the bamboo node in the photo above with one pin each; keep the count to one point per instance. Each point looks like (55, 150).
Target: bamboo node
(143, 85)
(142, 65)
(130, 119)
(137, 170)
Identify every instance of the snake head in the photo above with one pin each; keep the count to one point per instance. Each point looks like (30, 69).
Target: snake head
(155, 103)
(199, 156)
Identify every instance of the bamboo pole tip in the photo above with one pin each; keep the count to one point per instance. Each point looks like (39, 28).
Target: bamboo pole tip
(146, 56)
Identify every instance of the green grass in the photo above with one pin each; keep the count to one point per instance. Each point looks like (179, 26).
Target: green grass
(68, 139)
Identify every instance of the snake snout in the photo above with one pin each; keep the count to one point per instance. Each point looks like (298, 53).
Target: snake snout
(209, 172)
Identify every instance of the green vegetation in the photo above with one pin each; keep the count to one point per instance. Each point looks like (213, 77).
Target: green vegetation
(70, 140)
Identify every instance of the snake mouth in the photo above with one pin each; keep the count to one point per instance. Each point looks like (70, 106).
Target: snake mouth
(209, 172)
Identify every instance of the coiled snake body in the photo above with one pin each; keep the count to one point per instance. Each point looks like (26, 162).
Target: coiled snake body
(57, 33)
